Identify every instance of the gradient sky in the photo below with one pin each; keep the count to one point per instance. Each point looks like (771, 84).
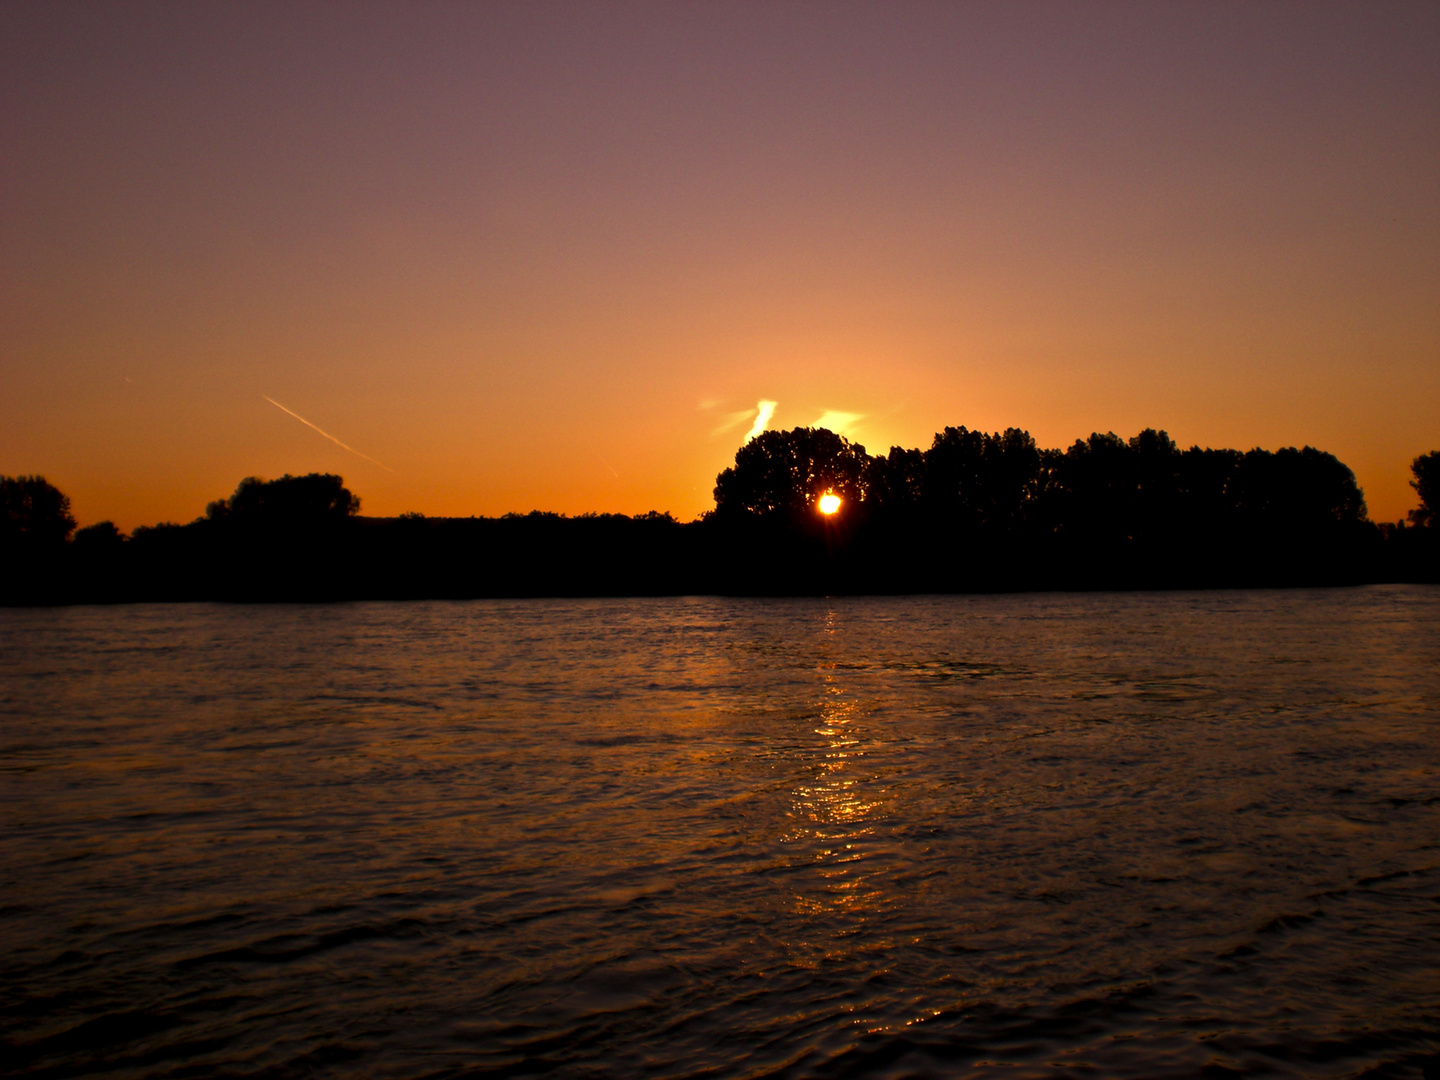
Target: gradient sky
(553, 255)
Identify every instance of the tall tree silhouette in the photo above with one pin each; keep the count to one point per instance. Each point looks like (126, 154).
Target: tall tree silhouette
(785, 472)
(1094, 490)
(896, 482)
(974, 481)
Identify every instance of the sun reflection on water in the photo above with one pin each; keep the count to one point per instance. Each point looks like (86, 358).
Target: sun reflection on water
(835, 802)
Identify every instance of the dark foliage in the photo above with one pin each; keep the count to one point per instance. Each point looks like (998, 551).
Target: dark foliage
(974, 511)
(103, 536)
(974, 482)
(34, 516)
(35, 524)
(995, 511)
(783, 473)
(1426, 469)
(315, 501)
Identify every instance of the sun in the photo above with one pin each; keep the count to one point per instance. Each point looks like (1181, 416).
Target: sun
(829, 503)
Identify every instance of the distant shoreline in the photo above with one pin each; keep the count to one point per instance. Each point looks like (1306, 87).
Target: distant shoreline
(801, 513)
(613, 555)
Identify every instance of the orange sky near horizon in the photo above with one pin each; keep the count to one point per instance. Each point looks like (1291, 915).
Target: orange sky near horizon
(550, 256)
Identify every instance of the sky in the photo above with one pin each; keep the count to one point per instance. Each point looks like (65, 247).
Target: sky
(483, 258)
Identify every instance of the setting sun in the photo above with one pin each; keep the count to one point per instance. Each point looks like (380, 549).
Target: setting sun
(829, 503)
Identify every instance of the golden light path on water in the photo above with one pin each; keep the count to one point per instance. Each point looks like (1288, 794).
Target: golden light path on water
(837, 799)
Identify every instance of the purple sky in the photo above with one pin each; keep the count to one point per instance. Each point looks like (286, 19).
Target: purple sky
(553, 255)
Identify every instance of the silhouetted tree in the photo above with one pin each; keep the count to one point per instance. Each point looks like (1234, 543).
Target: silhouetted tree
(1093, 490)
(34, 515)
(1294, 490)
(1207, 481)
(1157, 506)
(289, 503)
(894, 483)
(1426, 468)
(786, 472)
(976, 481)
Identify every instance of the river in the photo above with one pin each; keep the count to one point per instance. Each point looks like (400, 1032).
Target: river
(1169, 834)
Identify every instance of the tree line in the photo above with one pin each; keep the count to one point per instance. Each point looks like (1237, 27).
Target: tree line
(982, 510)
(972, 482)
(973, 511)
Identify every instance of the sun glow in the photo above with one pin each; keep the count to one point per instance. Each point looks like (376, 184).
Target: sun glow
(829, 503)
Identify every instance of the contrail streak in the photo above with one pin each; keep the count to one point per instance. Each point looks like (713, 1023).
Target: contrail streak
(332, 438)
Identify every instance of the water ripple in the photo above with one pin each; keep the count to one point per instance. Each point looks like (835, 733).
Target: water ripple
(1129, 836)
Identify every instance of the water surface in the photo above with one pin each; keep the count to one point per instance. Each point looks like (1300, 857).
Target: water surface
(1084, 835)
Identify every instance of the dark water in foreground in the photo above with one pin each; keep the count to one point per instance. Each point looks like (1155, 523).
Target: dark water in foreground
(1106, 835)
